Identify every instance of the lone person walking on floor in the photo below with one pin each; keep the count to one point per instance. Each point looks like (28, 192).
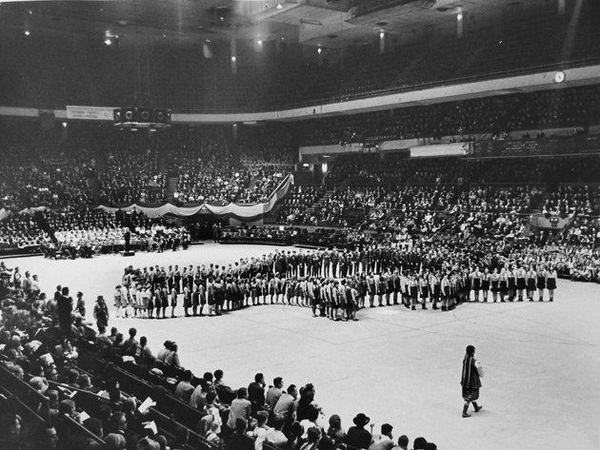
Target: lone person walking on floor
(470, 381)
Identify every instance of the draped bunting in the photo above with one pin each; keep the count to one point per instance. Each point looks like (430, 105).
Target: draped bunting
(232, 210)
(558, 223)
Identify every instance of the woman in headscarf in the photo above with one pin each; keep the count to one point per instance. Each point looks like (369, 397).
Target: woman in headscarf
(470, 380)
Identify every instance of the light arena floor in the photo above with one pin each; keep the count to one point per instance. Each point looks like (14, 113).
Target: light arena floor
(542, 361)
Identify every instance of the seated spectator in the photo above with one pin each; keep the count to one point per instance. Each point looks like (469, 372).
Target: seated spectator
(256, 392)
(239, 440)
(384, 441)
(403, 442)
(420, 443)
(285, 405)
(143, 355)
(168, 354)
(357, 435)
(240, 408)
(261, 429)
(184, 388)
(275, 436)
(274, 393)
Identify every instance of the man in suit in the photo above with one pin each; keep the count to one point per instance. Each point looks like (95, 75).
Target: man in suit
(256, 392)
(65, 312)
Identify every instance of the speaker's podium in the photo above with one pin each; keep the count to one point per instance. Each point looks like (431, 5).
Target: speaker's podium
(128, 253)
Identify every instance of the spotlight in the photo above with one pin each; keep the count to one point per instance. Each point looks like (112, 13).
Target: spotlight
(381, 34)
(27, 32)
(279, 6)
(459, 15)
(319, 50)
(107, 41)
(259, 42)
(64, 124)
(233, 59)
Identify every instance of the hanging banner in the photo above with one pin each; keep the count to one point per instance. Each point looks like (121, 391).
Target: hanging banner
(453, 149)
(240, 212)
(89, 112)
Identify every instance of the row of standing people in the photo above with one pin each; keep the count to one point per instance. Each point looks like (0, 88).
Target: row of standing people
(142, 294)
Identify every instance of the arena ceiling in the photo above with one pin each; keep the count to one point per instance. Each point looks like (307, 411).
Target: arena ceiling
(327, 23)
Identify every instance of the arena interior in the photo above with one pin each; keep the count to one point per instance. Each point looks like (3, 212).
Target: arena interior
(299, 224)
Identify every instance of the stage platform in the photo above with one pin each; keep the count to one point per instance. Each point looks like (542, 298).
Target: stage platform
(542, 360)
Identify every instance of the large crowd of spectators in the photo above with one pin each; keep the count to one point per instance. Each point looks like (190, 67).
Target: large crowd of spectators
(373, 192)
(183, 167)
(54, 179)
(215, 166)
(297, 205)
(368, 169)
(396, 198)
(365, 206)
(568, 200)
(21, 233)
(132, 176)
(491, 116)
(66, 385)
(220, 179)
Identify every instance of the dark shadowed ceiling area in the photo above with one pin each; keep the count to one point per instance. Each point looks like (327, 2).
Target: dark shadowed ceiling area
(326, 23)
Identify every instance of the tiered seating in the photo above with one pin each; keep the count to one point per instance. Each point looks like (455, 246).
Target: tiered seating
(296, 203)
(134, 169)
(49, 180)
(21, 234)
(494, 115)
(584, 231)
(132, 176)
(220, 180)
(568, 200)
(76, 389)
(380, 204)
